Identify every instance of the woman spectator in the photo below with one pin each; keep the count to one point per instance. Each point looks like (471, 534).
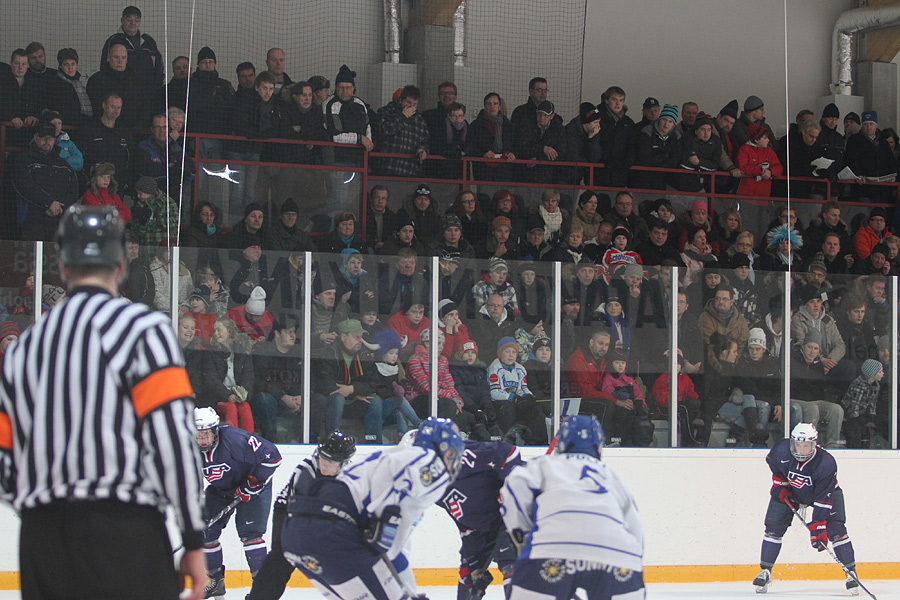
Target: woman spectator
(219, 293)
(504, 204)
(758, 163)
(68, 72)
(343, 236)
(228, 374)
(500, 244)
(782, 250)
(890, 138)
(193, 357)
(697, 255)
(728, 228)
(570, 249)
(556, 220)
(783, 215)
(353, 279)
(68, 151)
(743, 244)
(202, 240)
(698, 217)
(160, 266)
(586, 214)
(475, 224)
(490, 136)
(103, 191)
(404, 237)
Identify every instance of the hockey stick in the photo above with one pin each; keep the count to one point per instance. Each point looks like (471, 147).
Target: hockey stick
(825, 547)
(407, 593)
(215, 518)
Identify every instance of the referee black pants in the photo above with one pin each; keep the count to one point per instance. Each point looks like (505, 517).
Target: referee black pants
(101, 550)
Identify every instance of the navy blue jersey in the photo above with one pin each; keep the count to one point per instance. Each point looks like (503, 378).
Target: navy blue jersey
(239, 457)
(306, 471)
(812, 481)
(473, 500)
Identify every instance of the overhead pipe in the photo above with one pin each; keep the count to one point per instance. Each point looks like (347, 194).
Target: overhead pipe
(459, 34)
(855, 21)
(392, 31)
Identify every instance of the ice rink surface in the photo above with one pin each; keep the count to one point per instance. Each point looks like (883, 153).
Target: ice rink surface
(779, 590)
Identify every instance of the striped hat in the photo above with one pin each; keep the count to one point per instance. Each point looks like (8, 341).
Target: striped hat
(669, 111)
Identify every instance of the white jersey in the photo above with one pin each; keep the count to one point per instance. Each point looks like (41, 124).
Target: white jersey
(572, 506)
(413, 478)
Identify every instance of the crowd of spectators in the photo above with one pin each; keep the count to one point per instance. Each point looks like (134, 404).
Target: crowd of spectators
(242, 285)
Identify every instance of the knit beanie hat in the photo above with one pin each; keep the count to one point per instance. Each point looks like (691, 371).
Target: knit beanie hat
(451, 220)
(756, 132)
(541, 342)
(757, 337)
(813, 336)
(753, 103)
(256, 304)
(869, 368)
(146, 185)
(852, 116)
(445, 307)
(730, 109)
(497, 264)
(8, 328)
(469, 345)
(669, 111)
(501, 221)
(506, 342)
(345, 75)
(251, 207)
(830, 110)
(206, 52)
(289, 206)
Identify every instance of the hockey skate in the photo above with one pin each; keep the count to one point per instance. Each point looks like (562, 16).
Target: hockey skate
(852, 584)
(762, 581)
(215, 587)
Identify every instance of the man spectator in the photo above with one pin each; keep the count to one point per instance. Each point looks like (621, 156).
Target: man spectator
(623, 214)
(869, 156)
(534, 246)
(701, 152)
(154, 217)
(450, 141)
(584, 371)
(650, 112)
(831, 140)
(342, 376)
(617, 138)
(159, 156)
(689, 112)
(857, 332)
(754, 114)
(877, 306)
(402, 130)
(801, 152)
(435, 118)
(275, 65)
(49, 91)
(68, 73)
(808, 389)
(493, 322)
(284, 235)
(832, 349)
(308, 124)
(210, 100)
(379, 218)
(656, 248)
(144, 58)
(114, 76)
(852, 125)
(658, 145)
(836, 260)
(538, 90)
(278, 368)
(321, 87)
(175, 92)
(720, 315)
(823, 223)
(541, 138)
(17, 100)
(583, 142)
(402, 284)
(249, 231)
(252, 318)
(871, 233)
(347, 122)
(105, 139)
(246, 75)
(45, 184)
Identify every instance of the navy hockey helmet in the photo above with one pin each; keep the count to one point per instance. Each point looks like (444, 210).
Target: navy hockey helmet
(91, 236)
(338, 448)
(580, 434)
(442, 436)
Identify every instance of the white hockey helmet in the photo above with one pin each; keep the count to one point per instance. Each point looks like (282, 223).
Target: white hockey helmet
(803, 441)
(206, 420)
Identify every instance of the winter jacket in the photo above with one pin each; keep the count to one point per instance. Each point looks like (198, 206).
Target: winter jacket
(685, 389)
(733, 326)
(807, 379)
(832, 345)
(258, 330)
(751, 161)
(711, 158)
(508, 383)
(623, 386)
(472, 384)
(278, 373)
(215, 368)
(144, 60)
(99, 143)
(400, 323)
(128, 86)
(865, 239)
(346, 122)
(427, 223)
(104, 198)
(41, 179)
(653, 150)
(870, 158)
(584, 374)
(69, 152)
(419, 377)
(617, 138)
(210, 103)
(398, 134)
(330, 368)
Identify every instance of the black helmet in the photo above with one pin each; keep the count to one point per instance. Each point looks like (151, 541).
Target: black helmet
(337, 448)
(91, 236)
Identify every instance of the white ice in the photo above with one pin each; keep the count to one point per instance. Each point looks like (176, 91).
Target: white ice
(779, 590)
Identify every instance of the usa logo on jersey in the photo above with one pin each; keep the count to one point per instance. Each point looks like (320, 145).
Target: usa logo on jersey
(798, 480)
(215, 472)
(454, 501)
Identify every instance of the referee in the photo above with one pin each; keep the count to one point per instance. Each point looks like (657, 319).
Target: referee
(97, 435)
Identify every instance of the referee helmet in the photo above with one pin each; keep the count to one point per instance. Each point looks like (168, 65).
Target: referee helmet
(91, 236)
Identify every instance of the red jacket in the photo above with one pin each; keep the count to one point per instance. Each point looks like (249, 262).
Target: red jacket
(454, 343)
(258, 331)
(685, 389)
(204, 327)
(865, 239)
(400, 323)
(749, 159)
(586, 376)
(107, 199)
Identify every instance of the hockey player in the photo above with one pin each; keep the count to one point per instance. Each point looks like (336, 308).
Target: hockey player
(327, 461)
(473, 502)
(236, 464)
(574, 523)
(804, 474)
(348, 534)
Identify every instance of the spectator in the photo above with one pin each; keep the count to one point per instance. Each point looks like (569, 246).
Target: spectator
(746, 294)
(533, 246)
(219, 293)
(327, 312)
(278, 368)
(753, 114)
(210, 105)
(760, 375)
(193, 357)
(68, 73)
(610, 314)
(586, 214)
(343, 237)
(729, 227)
(821, 224)
(702, 153)
(724, 124)
(851, 125)
(512, 399)
(832, 350)
(543, 138)
(801, 156)
(782, 250)
(658, 145)
(870, 157)
(662, 211)
(435, 118)
(504, 204)
(106, 139)
(402, 130)
(203, 238)
(583, 142)
(500, 244)
(19, 102)
(451, 239)
(743, 244)
(623, 214)
(103, 191)
(857, 332)
(402, 284)
(380, 220)
(657, 248)
(870, 234)
(115, 77)
(425, 212)
(455, 331)
(404, 237)
(67, 148)
(539, 369)
(832, 142)
(252, 318)
(758, 163)
(496, 281)
(45, 186)
(861, 402)
(321, 87)
(877, 308)
(470, 377)
(275, 66)
(198, 309)
(162, 157)
(409, 324)
(390, 385)
(228, 374)
(619, 255)
(808, 389)
(534, 296)
(585, 370)
(687, 402)
(353, 278)
(493, 321)
(47, 91)
(556, 220)
(175, 91)
(617, 138)
(649, 112)
(144, 58)
(455, 283)
(697, 255)
(628, 421)
(474, 222)
(347, 122)
(698, 218)
(720, 316)
(583, 284)
(342, 376)
(9, 333)
(307, 123)
(877, 262)
(284, 235)
(491, 136)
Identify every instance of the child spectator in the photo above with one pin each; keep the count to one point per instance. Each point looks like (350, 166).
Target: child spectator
(495, 282)
(389, 384)
(511, 397)
(198, 309)
(538, 369)
(861, 402)
(630, 423)
(103, 191)
(252, 318)
(619, 255)
(9, 333)
(228, 375)
(470, 375)
(688, 402)
(455, 330)
(410, 325)
(614, 316)
(371, 323)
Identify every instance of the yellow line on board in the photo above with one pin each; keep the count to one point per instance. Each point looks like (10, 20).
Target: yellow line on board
(9, 580)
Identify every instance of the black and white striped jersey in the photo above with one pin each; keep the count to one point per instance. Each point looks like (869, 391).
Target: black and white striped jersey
(95, 404)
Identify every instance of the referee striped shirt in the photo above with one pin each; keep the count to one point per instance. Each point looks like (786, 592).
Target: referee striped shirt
(95, 405)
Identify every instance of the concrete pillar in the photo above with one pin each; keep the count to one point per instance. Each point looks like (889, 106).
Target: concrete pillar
(877, 82)
(430, 47)
(388, 77)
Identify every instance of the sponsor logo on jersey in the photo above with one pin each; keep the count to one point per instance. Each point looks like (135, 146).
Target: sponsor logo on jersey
(311, 564)
(799, 480)
(430, 473)
(622, 575)
(215, 472)
(494, 378)
(454, 501)
(552, 570)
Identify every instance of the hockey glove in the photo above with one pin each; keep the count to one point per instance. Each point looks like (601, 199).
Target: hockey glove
(248, 490)
(818, 536)
(781, 491)
(381, 531)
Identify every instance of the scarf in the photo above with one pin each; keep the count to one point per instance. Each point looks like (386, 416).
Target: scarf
(621, 331)
(210, 229)
(386, 370)
(552, 221)
(694, 253)
(495, 124)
